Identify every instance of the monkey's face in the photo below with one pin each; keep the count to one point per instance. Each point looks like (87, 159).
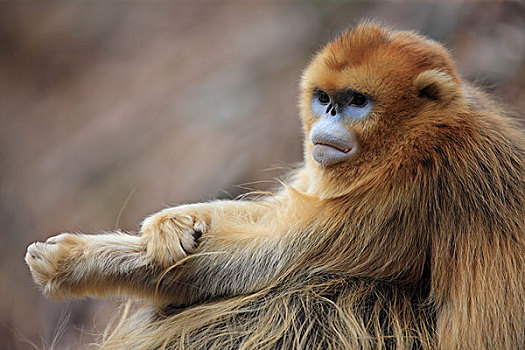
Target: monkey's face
(332, 139)
(371, 96)
(336, 111)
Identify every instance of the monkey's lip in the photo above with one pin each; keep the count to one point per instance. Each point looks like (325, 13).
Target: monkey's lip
(340, 149)
(332, 144)
(328, 154)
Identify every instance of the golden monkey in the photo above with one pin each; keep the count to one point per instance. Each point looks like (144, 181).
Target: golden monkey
(403, 229)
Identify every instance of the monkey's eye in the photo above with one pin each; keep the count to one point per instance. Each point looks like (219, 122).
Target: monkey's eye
(359, 100)
(323, 97)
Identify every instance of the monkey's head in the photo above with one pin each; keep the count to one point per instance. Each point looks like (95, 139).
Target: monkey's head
(375, 102)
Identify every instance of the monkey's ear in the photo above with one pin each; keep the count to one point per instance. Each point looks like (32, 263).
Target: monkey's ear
(436, 85)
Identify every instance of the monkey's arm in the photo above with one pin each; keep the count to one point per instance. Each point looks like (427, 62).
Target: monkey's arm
(76, 265)
(240, 249)
(71, 265)
(172, 233)
(473, 299)
(239, 252)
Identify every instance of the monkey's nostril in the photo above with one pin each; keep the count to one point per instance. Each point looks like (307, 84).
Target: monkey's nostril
(334, 112)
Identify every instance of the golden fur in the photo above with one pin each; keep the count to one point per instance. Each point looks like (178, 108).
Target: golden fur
(418, 242)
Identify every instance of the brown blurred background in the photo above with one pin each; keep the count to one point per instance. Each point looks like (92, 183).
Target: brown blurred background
(111, 110)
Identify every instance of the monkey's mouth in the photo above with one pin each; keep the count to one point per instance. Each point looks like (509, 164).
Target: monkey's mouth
(332, 143)
(330, 153)
(344, 150)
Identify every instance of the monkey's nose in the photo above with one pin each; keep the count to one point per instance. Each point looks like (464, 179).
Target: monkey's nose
(332, 109)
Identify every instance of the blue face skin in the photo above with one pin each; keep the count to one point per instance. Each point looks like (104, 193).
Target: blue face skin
(333, 141)
(348, 111)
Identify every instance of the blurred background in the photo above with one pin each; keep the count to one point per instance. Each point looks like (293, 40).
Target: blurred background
(112, 110)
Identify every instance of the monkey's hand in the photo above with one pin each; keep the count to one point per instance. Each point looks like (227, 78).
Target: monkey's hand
(48, 260)
(70, 265)
(172, 234)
